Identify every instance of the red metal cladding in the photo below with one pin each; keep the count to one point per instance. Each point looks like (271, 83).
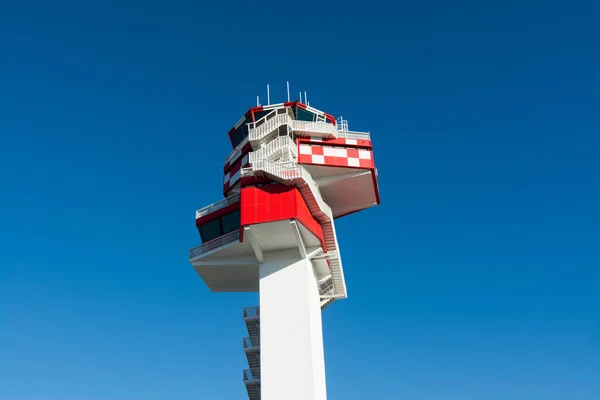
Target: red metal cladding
(276, 202)
(330, 118)
(335, 156)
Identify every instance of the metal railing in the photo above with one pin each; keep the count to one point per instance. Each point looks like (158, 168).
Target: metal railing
(215, 243)
(354, 135)
(257, 132)
(326, 287)
(252, 375)
(218, 205)
(281, 143)
(343, 132)
(315, 127)
(251, 342)
(272, 121)
(252, 312)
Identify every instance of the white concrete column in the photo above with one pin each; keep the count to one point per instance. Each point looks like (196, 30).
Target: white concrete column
(291, 335)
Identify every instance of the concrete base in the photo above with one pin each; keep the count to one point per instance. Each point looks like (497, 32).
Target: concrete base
(291, 334)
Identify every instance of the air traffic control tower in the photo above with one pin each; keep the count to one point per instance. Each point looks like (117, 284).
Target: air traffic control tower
(292, 172)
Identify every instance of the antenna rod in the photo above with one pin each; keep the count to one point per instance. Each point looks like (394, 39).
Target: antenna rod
(268, 96)
(288, 90)
(305, 98)
(300, 97)
(257, 101)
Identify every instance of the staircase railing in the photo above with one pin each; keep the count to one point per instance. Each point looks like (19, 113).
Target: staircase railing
(326, 287)
(272, 121)
(281, 143)
(252, 375)
(252, 312)
(267, 124)
(250, 342)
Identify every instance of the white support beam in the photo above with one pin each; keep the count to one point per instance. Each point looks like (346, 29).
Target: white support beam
(258, 252)
(292, 363)
(326, 256)
(313, 252)
(299, 240)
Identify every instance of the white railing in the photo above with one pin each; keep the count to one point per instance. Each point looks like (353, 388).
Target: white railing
(218, 205)
(314, 127)
(280, 144)
(272, 121)
(257, 132)
(326, 287)
(215, 243)
(354, 135)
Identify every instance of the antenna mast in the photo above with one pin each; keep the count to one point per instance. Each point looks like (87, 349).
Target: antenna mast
(268, 95)
(288, 90)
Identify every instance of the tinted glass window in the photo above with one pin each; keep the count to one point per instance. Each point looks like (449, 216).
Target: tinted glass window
(231, 222)
(259, 114)
(211, 230)
(239, 134)
(304, 115)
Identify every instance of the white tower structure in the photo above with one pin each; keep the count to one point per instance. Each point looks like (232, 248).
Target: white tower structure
(292, 171)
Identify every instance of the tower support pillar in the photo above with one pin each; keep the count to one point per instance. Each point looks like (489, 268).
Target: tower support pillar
(291, 355)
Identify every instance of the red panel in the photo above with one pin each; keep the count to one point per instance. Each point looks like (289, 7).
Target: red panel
(352, 153)
(276, 202)
(329, 117)
(254, 110)
(317, 150)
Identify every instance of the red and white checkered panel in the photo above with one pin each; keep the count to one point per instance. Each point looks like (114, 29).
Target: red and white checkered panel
(335, 156)
(234, 174)
(244, 150)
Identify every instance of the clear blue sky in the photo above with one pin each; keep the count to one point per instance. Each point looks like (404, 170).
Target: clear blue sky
(476, 279)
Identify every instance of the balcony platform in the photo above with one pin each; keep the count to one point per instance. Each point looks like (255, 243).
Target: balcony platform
(346, 190)
(227, 264)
